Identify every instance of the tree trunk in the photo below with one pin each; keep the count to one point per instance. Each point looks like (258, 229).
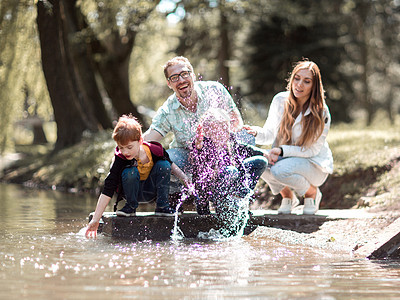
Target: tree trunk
(67, 112)
(82, 65)
(362, 11)
(114, 73)
(224, 51)
(113, 67)
(39, 136)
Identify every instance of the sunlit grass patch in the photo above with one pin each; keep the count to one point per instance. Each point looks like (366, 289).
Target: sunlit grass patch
(355, 148)
(82, 166)
(366, 164)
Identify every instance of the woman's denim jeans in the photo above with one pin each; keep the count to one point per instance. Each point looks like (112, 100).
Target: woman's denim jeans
(155, 186)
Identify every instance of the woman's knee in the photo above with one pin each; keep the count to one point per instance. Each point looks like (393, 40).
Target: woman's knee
(280, 172)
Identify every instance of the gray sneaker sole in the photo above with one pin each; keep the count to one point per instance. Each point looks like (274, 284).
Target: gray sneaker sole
(123, 214)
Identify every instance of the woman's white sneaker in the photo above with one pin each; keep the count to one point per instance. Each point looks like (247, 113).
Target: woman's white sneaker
(311, 206)
(287, 205)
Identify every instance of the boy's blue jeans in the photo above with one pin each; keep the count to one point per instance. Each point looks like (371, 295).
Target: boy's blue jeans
(156, 185)
(232, 181)
(180, 156)
(240, 182)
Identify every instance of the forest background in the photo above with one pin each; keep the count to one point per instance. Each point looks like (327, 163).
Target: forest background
(69, 68)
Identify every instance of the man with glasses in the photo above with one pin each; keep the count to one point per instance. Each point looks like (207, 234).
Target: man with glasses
(181, 112)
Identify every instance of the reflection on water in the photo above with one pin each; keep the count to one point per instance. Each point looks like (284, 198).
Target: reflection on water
(44, 255)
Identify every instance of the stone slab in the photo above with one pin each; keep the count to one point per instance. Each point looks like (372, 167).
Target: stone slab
(386, 245)
(147, 226)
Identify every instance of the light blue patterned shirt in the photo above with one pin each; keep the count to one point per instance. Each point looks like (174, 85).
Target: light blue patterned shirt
(172, 116)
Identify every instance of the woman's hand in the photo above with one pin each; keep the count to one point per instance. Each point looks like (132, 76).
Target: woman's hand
(91, 231)
(273, 155)
(250, 129)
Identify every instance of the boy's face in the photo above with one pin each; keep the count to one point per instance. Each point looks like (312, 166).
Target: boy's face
(131, 150)
(218, 132)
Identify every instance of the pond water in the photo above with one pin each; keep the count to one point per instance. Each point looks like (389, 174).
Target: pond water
(44, 255)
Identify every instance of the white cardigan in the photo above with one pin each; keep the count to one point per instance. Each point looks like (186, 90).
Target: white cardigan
(319, 152)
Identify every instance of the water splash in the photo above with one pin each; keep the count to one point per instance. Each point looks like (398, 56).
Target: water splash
(82, 231)
(233, 221)
(177, 233)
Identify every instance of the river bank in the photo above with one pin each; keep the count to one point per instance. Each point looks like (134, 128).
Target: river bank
(366, 177)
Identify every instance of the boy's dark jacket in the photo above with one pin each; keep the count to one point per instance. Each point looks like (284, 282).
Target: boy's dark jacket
(113, 180)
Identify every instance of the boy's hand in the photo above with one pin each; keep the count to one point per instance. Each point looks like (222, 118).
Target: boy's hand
(91, 231)
(191, 188)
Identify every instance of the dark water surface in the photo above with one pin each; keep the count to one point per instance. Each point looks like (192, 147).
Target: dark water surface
(44, 255)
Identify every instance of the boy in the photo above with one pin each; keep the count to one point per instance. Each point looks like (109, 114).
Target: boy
(222, 166)
(143, 168)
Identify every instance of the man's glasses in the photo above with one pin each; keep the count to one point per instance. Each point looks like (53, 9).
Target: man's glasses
(175, 77)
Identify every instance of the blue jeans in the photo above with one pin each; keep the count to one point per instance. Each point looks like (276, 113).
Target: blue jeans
(156, 185)
(180, 156)
(232, 181)
(241, 181)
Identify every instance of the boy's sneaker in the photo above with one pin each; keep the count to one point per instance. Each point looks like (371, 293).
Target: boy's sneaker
(126, 211)
(165, 211)
(203, 210)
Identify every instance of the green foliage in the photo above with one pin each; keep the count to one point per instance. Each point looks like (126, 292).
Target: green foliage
(21, 76)
(289, 32)
(153, 48)
(82, 167)
(266, 37)
(366, 164)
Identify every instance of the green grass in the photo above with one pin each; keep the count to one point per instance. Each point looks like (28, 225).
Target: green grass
(366, 163)
(355, 148)
(81, 167)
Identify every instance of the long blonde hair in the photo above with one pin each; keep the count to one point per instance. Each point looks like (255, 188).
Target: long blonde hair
(313, 123)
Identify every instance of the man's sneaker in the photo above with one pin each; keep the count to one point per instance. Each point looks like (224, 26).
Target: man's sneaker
(288, 204)
(311, 206)
(165, 211)
(126, 211)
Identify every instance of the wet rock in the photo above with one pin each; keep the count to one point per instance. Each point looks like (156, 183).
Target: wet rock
(386, 245)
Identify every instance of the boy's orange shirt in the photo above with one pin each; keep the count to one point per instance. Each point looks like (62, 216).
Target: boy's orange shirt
(145, 169)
